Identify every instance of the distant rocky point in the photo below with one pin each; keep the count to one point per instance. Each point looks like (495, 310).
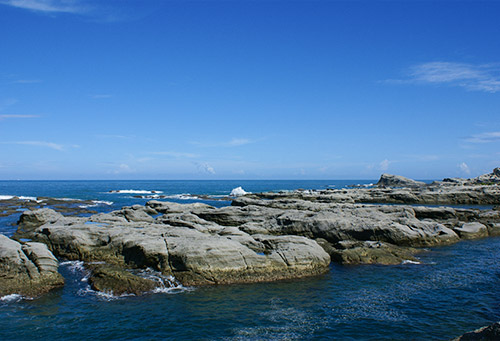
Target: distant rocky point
(389, 180)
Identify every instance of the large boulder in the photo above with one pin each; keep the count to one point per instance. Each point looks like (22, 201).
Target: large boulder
(389, 180)
(28, 270)
(471, 230)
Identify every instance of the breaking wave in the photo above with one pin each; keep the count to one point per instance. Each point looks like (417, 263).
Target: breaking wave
(238, 191)
(96, 203)
(12, 298)
(8, 197)
(165, 284)
(134, 191)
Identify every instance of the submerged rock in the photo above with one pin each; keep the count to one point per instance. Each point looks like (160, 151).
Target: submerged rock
(28, 270)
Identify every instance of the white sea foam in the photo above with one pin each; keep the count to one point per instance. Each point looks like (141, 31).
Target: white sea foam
(135, 191)
(103, 295)
(73, 265)
(96, 203)
(407, 261)
(166, 284)
(184, 196)
(8, 197)
(11, 298)
(238, 191)
(29, 198)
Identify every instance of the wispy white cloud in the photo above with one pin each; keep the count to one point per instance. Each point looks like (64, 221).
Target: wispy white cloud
(123, 168)
(488, 137)
(99, 10)
(234, 142)
(384, 165)
(176, 154)
(472, 77)
(101, 96)
(44, 144)
(114, 136)
(464, 168)
(27, 81)
(48, 6)
(239, 142)
(205, 168)
(2, 117)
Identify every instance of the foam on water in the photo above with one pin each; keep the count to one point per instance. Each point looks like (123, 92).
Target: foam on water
(183, 196)
(11, 298)
(96, 203)
(135, 191)
(407, 261)
(73, 265)
(8, 197)
(166, 284)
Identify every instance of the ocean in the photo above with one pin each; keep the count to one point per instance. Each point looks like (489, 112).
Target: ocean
(452, 290)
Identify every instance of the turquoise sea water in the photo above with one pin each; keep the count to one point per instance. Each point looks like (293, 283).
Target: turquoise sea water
(455, 288)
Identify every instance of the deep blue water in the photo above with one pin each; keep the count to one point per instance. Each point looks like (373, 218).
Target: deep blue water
(455, 289)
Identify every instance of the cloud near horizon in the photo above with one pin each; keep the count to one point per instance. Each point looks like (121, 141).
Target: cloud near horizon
(205, 168)
(176, 154)
(464, 168)
(480, 77)
(234, 142)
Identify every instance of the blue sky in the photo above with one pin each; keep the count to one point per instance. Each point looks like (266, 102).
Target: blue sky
(248, 89)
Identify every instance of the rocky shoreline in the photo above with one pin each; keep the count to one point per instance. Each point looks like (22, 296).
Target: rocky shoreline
(260, 237)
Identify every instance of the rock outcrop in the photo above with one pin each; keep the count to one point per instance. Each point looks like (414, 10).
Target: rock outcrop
(193, 250)
(389, 180)
(261, 237)
(488, 333)
(28, 269)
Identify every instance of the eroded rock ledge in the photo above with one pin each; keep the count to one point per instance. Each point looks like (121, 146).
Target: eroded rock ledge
(257, 239)
(28, 270)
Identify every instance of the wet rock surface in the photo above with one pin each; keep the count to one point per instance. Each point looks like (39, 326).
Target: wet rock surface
(28, 269)
(196, 252)
(488, 333)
